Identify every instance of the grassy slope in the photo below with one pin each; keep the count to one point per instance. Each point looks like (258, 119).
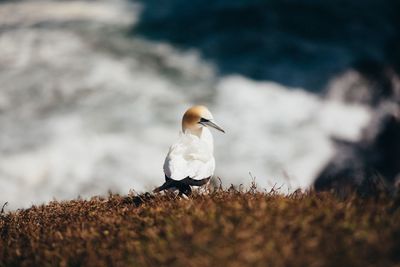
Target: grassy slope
(226, 228)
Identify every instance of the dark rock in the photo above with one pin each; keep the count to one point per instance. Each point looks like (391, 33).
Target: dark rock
(358, 166)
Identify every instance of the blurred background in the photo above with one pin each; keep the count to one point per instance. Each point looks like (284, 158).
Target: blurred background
(92, 92)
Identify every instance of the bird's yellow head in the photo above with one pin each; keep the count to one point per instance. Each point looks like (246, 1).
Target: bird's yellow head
(197, 117)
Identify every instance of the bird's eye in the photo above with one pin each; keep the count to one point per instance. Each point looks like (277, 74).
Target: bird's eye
(203, 120)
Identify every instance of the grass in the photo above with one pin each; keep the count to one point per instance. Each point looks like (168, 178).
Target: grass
(225, 228)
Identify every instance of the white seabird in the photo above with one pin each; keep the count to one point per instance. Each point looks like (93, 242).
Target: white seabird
(190, 161)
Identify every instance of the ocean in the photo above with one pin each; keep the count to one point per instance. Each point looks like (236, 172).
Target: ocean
(92, 92)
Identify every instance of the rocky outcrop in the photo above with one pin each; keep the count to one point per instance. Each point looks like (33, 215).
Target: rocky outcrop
(377, 154)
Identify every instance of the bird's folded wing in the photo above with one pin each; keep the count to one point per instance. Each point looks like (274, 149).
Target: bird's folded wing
(189, 157)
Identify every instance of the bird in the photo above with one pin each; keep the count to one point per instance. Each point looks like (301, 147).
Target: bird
(190, 161)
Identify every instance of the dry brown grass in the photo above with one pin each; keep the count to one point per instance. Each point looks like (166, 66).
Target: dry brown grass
(225, 228)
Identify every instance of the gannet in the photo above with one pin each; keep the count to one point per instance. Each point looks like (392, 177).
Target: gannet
(190, 161)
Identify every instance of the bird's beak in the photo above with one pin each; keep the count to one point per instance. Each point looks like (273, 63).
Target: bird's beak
(213, 125)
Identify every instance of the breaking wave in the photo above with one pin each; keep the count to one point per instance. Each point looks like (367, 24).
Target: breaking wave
(86, 108)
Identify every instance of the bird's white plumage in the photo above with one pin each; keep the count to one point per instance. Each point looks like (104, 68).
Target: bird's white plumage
(191, 156)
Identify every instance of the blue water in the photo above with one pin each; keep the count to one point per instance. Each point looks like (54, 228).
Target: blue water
(295, 43)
